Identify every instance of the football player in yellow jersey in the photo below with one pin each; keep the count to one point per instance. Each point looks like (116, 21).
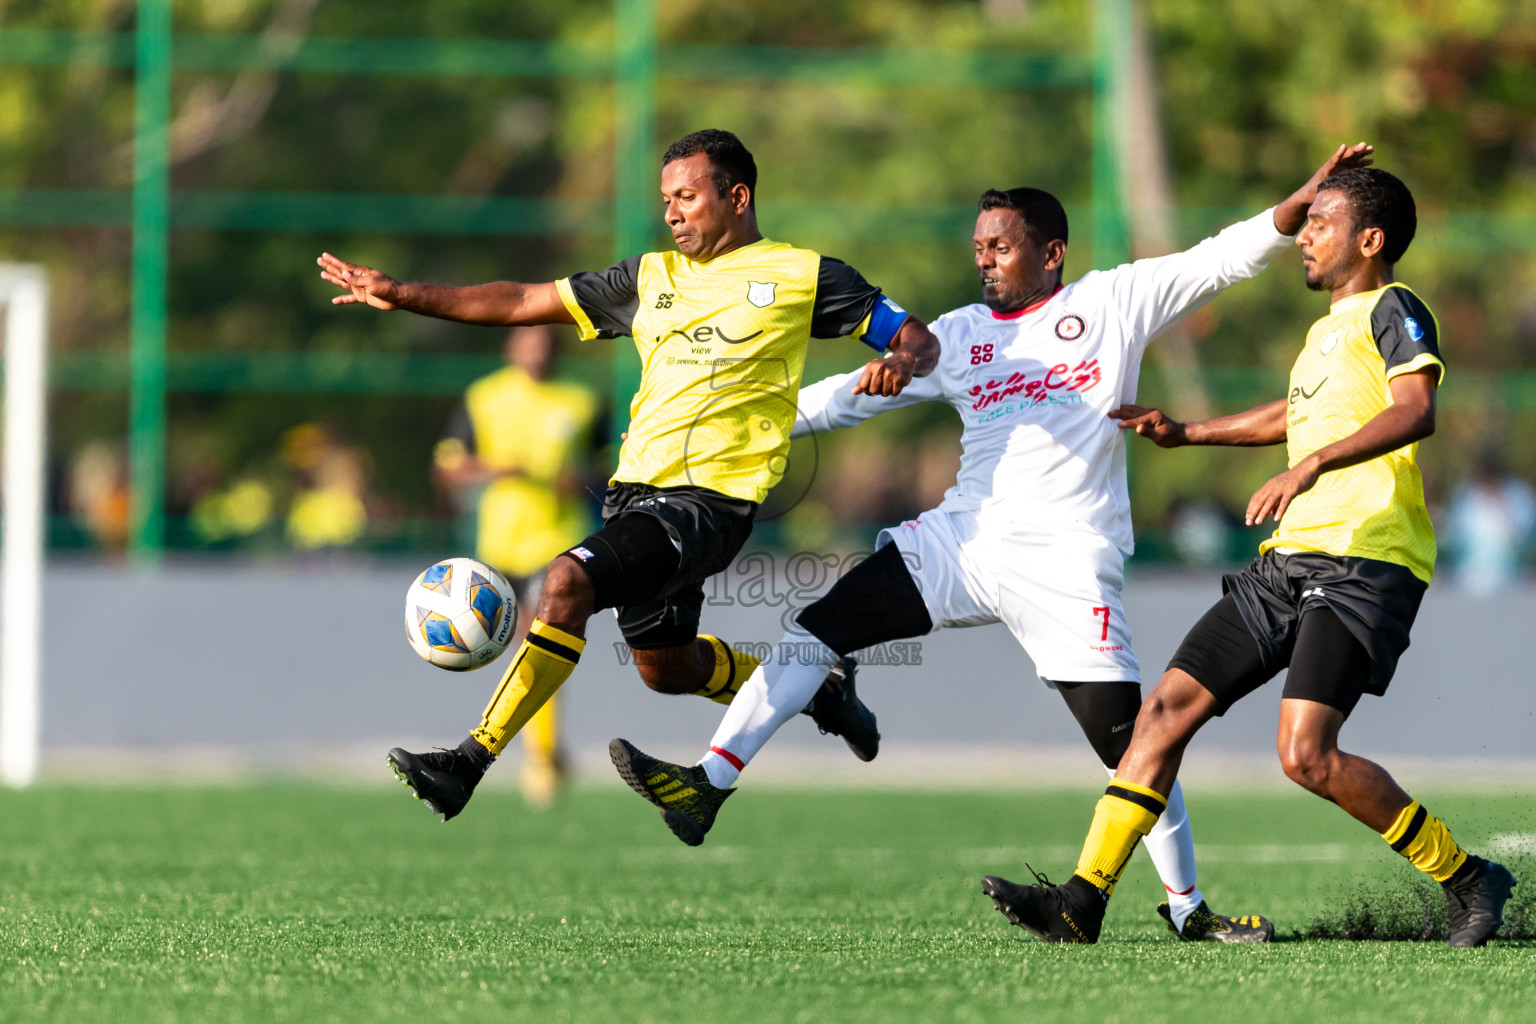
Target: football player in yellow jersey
(521, 444)
(722, 325)
(1332, 594)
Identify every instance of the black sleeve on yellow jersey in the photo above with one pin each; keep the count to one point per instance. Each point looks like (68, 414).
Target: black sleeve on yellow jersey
(1404, 330)
(843, 300)
(609, 297)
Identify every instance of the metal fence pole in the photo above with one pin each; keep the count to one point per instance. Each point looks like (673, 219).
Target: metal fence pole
(634, 214)
(1111, 59)
(151, 224)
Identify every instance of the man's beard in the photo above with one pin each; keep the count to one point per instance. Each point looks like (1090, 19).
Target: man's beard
(1002, 301)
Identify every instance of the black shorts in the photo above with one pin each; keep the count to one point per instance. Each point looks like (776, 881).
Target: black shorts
(1339, 624)
(656, 548)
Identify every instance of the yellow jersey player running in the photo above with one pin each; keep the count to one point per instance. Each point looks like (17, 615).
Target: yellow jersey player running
(722, 326)
(1332, 594)
(518, 448)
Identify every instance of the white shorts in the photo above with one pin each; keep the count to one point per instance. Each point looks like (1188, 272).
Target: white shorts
(1057, 591)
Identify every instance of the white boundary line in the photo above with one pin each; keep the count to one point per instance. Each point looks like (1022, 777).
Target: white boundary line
(24, 293)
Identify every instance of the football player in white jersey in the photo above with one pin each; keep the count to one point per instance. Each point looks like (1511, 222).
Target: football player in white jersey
(1036, 530)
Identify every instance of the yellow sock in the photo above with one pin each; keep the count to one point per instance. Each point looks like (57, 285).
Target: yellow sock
(1125, 813)
(1426, 842)
(542, 733)
(541, 665)
(732, 668)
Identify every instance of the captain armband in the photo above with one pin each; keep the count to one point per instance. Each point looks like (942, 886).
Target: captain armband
(884, 321)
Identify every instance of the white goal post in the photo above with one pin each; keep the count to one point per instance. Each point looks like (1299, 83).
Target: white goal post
(24, 295)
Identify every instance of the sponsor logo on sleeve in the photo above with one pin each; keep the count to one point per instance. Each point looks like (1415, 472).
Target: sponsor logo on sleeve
(1412, 327)
(582, 553)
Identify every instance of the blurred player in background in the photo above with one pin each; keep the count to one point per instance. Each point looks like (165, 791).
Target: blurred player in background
(520, 449)
(1333, 593)
(1037, 528)
(722, 325)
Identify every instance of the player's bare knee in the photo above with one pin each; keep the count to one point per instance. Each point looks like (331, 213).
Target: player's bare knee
(567, 595)
(672, 670)
(1162, 716)
(1306, 763)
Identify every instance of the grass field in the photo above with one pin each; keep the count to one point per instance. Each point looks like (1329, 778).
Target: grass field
(306, 904)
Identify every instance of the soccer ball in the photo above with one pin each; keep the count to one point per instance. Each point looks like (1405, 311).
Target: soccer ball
(459, 614)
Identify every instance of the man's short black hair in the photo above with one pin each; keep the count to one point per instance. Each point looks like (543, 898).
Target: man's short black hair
(1377, 200)
(1044, 219)
(733, 164)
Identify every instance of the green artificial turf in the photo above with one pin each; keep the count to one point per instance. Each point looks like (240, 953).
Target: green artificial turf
(307, 904)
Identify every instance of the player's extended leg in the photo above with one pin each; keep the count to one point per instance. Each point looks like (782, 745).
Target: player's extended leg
(446, 779)
(705, 667)
(875, 602)
(1327, 672)
(1074, 912)
(1106, 713)
(544, 765)
(630, 560)
(1219, 650)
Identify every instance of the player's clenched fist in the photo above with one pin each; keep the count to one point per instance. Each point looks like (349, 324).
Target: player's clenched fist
(886, 377)
(362, 284)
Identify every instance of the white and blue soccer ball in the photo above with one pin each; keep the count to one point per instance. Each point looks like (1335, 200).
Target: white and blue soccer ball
(460, 614)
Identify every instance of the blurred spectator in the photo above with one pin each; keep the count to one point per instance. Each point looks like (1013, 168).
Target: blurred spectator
(329, 507)
(519, 448)
(240, 511)
(1489, 524)
(98, 492)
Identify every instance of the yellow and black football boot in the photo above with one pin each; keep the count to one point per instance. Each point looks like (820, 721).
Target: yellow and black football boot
(1204, 926)
(687, 800)
(1073, 912)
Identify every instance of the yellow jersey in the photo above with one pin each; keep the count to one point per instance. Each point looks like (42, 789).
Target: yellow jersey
(511, 422)
(1339, 383)
(722, 347)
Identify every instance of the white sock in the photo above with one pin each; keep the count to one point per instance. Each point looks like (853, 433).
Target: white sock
(1171, 844)
(777, 690)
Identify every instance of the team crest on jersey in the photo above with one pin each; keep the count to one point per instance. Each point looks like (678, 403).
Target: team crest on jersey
(1329, 343)
(760, 293)
(1070, 327)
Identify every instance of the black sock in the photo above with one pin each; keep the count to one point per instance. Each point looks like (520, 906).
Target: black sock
(476, 754)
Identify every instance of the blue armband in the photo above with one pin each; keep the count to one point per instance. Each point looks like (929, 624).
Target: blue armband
(884, 321)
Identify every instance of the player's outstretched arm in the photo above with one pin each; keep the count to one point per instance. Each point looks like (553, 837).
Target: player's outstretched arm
(1291, 214)
(499, 304)
(1410, 418)
(914, 352)
(1256, 427)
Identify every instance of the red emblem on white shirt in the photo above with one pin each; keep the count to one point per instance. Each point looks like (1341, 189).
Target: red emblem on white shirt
(1070, 327)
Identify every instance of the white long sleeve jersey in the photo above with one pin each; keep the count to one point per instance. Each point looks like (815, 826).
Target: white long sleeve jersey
(1035, 387)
